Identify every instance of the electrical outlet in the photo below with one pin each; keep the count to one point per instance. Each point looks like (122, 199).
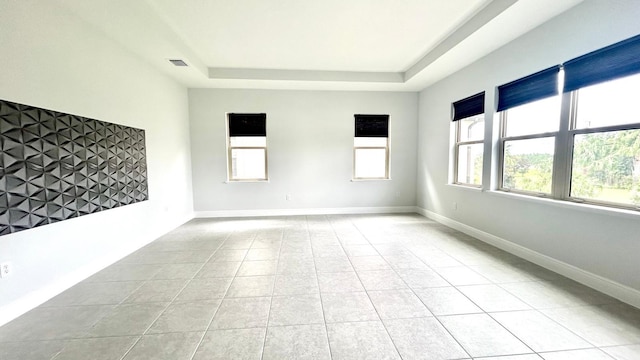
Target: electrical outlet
(455, 206)
(288, 197)
(5, 270)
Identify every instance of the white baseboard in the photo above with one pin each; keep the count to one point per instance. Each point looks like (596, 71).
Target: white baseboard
(310, 211)
(614, 289)
(38, 297)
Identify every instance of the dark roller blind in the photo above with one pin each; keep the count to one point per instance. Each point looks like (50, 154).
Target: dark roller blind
(372, 125)
(247, 124)
(530, 88)
(473, 105)
(612, 62)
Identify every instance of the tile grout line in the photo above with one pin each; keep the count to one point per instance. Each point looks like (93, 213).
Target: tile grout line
(275, 276)
(171, 301)
(204, 333)
(315, 266)
(416, 295)
(361, 283)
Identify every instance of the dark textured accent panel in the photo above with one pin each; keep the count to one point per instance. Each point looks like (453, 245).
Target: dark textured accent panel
(56, 166)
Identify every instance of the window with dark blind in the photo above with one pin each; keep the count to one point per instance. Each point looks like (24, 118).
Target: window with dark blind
(612, 62)
(468, 117)
(582, 145)
(471, 106)
(371, 147)
(531, 88)
(247, 147)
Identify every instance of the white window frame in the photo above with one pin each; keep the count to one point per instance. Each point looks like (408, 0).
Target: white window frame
(572, 131)
(563, 156)
(386, 159)
(230, 149)
(458, 144)
(503, 139)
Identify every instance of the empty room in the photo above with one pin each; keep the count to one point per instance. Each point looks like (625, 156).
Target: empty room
(364, 179)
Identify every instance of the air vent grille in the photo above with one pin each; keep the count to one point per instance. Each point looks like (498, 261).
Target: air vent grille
(178, 62)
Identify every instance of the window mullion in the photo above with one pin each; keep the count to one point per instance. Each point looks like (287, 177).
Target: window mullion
(563, 152)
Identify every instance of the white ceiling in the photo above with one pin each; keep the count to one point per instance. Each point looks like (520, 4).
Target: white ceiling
(397, 45)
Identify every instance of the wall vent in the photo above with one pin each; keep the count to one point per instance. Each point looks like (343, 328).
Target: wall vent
(178, 62)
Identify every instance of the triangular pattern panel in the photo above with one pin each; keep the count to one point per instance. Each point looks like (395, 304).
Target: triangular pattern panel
(56, 166)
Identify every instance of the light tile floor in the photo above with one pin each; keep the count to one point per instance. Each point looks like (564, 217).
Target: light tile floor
(324, 287)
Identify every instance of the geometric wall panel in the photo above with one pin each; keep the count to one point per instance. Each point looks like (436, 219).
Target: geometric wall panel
(56, 166)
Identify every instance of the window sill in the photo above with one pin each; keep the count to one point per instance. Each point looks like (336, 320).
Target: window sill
(245, 181)
(567, 204)
(376, 179)
(466, 187)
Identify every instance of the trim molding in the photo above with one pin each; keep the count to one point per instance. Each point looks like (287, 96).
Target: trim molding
(38, 297)
(614, 289)
(306, 211)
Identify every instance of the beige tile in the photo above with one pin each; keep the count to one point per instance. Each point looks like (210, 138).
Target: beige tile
(165, 346)
(32, 350)
(298, 342)
(446, 301)
(381, 280)
(296, 310)
(296, 284)
(368, 263)
(95, 293)
(219, 269)
(239, 344)
(398, 304)
(50, 323)
(360, 340)
(339, 282)
(100, 348)
(584, 354)
(423, 338)
(421, 278)
(341, 307)
(539, 332)
(256, 268)
(492, 298)
(461, 275)
(205, 289)
(331, 264)
(607, 325)
(156, 291)
(185, 316)
(128, 319)
(480, 335)
(238, 313)
(251, 286)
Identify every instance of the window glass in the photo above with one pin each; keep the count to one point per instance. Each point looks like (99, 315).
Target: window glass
(370, 141)
(471, 128)
(371, 147)
(534, 118)
(248, 164)
(610, 103)
(248, 141)
(370, 163)
(528, 164)
(606, 167)
(470, 159)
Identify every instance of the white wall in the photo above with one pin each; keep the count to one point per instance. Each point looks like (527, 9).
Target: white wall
(51, 59)
(310, 151)
(603, 243)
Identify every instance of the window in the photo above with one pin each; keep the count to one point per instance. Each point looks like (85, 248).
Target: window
(468, 117)
(247, 147)
(530, 120)
(605, 132)
(583, 145)
(371, 147)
